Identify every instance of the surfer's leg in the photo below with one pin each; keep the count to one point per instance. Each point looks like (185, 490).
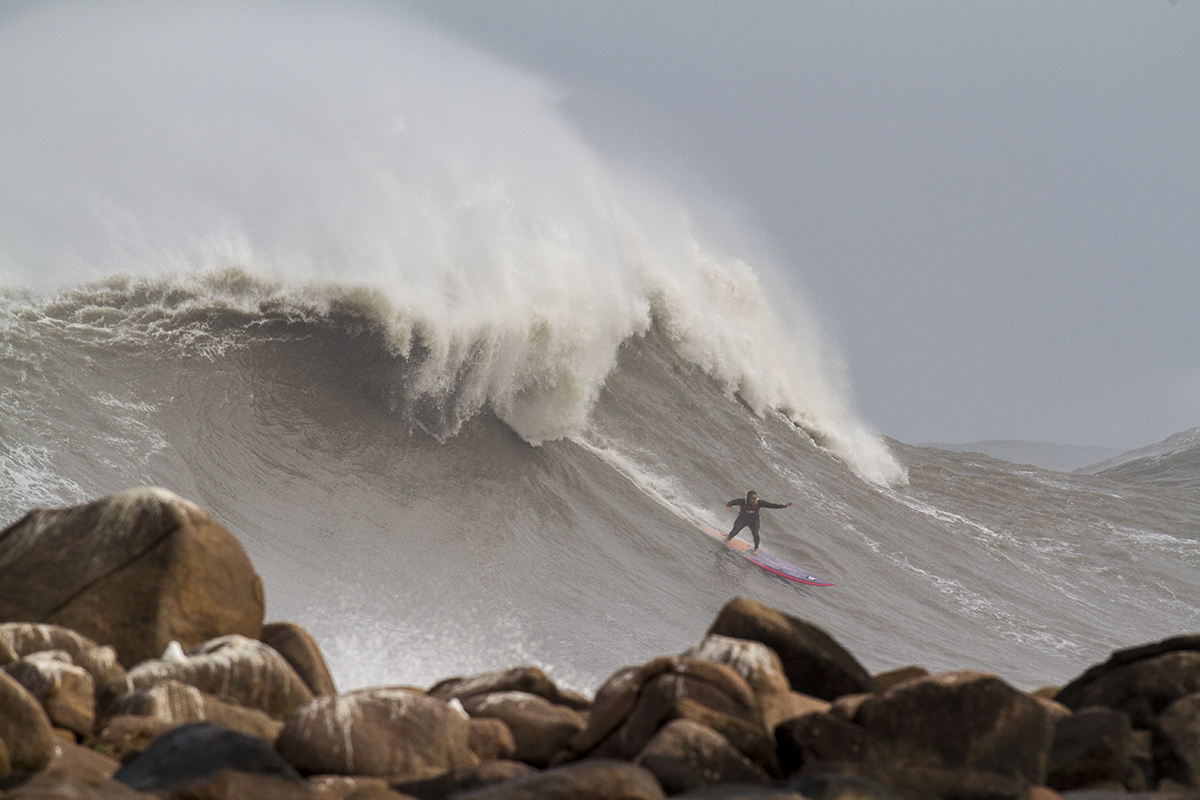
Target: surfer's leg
(738, 524)
(754, 529)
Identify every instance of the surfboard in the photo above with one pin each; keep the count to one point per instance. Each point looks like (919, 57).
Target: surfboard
(768, 560)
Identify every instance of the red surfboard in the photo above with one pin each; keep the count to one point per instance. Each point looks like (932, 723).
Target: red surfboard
(768, 561)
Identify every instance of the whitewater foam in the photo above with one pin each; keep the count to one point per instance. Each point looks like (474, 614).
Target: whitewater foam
(364, 161)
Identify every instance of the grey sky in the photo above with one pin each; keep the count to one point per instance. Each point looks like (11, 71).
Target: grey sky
(994, 207)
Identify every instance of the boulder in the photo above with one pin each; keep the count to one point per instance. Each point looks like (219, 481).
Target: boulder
(594, 779)
(886, 680)
(1140, 687)
(178, 704)
(78, 773)
(1177, 731)
(763, 671)
(948, 729)
(27, 638)
(820, 738)
(392, 733)
(491, 739)
(539, 728)
(636, 701)
(191, 752)
(1092, 746)
(685, 754)
(300, 650)
(826, 786)
(739, 791)
(235, 668)
(531, 680)
(350, 787)
(25, 729)
(135, 570)
(235, 784)
(65, 691)
(812, 661)
(123, 737)
(7, 654)
(465, 779)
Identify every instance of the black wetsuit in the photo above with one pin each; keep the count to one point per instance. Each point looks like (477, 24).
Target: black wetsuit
(748, 518)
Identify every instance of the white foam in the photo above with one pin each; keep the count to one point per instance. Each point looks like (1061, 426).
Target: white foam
(361, 158)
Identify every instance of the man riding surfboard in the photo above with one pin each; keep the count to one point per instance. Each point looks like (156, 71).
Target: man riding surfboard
(748, 516)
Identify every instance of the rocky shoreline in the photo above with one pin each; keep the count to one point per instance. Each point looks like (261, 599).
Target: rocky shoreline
(135, 663)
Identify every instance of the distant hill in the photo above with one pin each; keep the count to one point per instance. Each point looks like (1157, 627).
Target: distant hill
(1058, 457)
(1175, 461)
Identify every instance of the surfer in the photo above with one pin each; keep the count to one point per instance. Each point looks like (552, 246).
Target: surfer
(748, 516)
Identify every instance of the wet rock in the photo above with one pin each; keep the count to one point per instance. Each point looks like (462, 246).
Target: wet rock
(539, 728)
(27, 638)
(235, 784)
(75, 772)
(685, 754)
(594, 779)
(491, 739)
(25, 729)
(636, 701)
(823, 786)
(235, 668)
(962, 728)
(1141, 681)
(176, 704)
(465, 779)
(518, 679)
(135, 570)
(65, 691)
(813, 662)
(763, 671)
(125, 736)
(352, 787)
(300, 650)
(1092, 746)
(1177, 730)
(397, 734)
(807, 742)
(191, 752)
(886, 680)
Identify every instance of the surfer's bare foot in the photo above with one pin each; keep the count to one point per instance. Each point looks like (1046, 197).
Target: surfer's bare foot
(754, 552)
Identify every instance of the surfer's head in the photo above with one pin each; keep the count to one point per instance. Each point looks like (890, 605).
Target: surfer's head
(751, 495)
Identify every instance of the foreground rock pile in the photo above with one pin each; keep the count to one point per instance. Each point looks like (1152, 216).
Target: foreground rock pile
(134, 663)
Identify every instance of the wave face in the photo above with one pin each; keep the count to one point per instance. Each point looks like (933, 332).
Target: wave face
(463, 388)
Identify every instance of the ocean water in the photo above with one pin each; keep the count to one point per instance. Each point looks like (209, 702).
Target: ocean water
(464, 388)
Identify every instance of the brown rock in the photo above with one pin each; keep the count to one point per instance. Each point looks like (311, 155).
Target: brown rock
(750, 738)
(235, 668)
(388, 733)
(969, 722)
(636, 701)
(234, 784)
(807, 742)
(491, 739)
(177, 703)
(27, 638)
(1141, 687)
(1178, 731)
(887, 680)
(77, 773)
(7, 654)
(1090, 747)
(539, 728)
(296, 645)
(594, 779)
(125, 736)
(518, 679)
(685, 754)
(762, 670)
(24, 727)
(814, 663)
(350, 787)
(65, 691)
(847, 705)
(465, 779)
(135, 570)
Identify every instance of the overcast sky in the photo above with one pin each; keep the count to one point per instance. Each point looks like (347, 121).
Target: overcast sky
(994, 207)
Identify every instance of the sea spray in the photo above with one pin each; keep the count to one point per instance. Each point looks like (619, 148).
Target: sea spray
(352, 158)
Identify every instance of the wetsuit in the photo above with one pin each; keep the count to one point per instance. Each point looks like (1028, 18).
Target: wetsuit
(748, 518)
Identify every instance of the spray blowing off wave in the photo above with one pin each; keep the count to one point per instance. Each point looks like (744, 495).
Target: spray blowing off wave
(349, 158)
